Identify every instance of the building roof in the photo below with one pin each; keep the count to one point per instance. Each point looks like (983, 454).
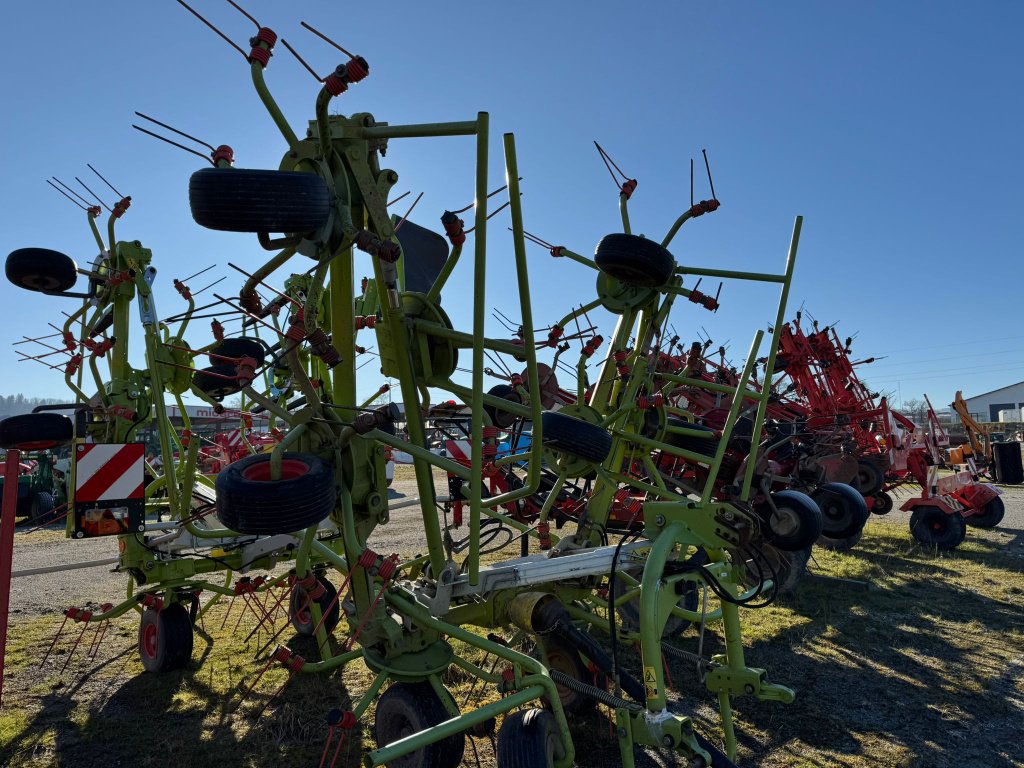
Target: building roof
(1000, 389)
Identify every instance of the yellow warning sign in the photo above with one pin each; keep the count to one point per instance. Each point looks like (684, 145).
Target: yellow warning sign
(651, 681)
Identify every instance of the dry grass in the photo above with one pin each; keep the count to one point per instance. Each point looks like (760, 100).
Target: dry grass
(922, 670)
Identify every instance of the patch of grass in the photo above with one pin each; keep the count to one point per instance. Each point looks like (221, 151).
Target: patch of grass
(922, 669)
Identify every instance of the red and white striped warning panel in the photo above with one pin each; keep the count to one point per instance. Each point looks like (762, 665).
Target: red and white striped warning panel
(109, 472)
(234, 437)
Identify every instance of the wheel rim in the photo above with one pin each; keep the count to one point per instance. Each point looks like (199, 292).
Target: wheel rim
(150, 641)
(41, 282)
(562, 662)
(784, 521)
(290, 469)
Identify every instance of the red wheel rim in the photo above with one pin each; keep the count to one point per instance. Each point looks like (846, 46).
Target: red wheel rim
(149, 640)
(290, 469)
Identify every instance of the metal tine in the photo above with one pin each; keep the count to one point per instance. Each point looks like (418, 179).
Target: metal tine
(244, 12)
(93, 194)
(69, 189)
(66, 195)
(197, 274)
(404, 194)
(494, 213)
(28, 339)
(218, 280)
(302, 61)
(489, 196)
(172, 129)
(708, 167)
(174, 143)
(226, 39)
(407, 213)
(324, 37)
(89, 166)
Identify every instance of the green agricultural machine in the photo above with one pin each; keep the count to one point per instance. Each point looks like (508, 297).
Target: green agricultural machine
(562, 605)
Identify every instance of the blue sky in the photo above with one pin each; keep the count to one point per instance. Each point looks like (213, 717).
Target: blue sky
(894, 128)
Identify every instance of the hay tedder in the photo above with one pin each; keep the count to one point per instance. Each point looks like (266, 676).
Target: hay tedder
(552, 617)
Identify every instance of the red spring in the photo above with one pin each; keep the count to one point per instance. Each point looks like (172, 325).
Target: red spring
(658, 401)
(628, 188)
(643, 403)
(335, 85)
(555, 334)
(623, 370)
(453, 227)
(312, 587)
(186, 437)
(368, 559)
(247, 420)
(225, 153)
(544, 535)
(296, 331)
(704, 206)
(260, 54)
(556, 251)
(121, 206)
(490, 433)
(356, 69)
(367, 321)
(265, 35)
(181, 288)
(516, 380)
(619, 356)
(489, 452)
(73, 365)
(150, 600)
(218, 330)
(95, 211)
(69, 341)
(388, 567)
(277, 433)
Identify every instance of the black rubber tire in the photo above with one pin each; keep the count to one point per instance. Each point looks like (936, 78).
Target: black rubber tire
(36, 431)
(575, 436)
(564, 657)
(40, 269)
(870, 477)
(706, 446)
(843, 510)
(934, 528)
(165, 638)
(844, 544)
(991, 515)
(249, 502)
(796, 526)
(529, 739)
(634, 260)
(790, 568)
(209, 381)
(237, 347)
(500, 418)
(330, 608)
(41, 506)
(407, 708)
(883, 504)
(1007, 464)
(251, 200)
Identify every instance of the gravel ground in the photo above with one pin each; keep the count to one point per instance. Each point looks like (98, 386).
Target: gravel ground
(50, 593)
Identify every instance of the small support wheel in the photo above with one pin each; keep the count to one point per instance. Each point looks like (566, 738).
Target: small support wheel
(501, 418)
(991, 515)
(562, 656)
(36, 431)
(301, 615)
(529, 739)
(794, 524)
(934, 528)
(217, 381)
(41, 506)
(870, 477)
(408, 708)
(843, 510)
(40, 269)
(238, 347)
(165, 638)
(844, 544)
(883, 503)
(634, 260)
(250, 501)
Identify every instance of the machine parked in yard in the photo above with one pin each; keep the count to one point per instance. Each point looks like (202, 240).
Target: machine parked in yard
(318, 495)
